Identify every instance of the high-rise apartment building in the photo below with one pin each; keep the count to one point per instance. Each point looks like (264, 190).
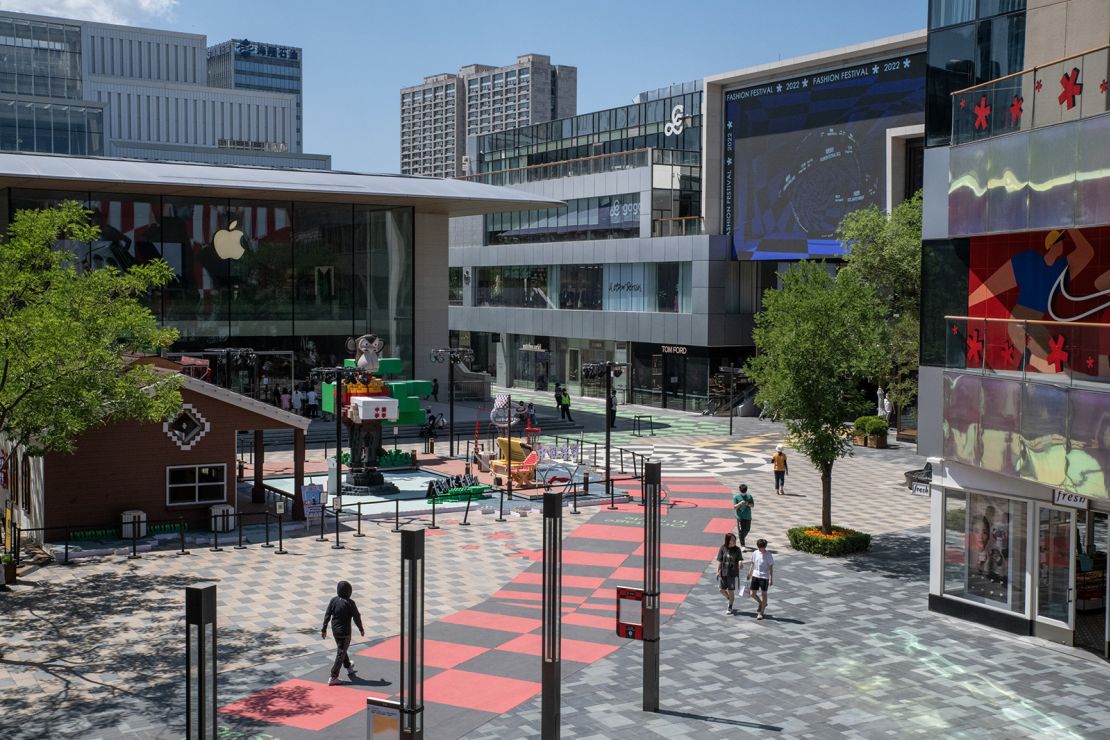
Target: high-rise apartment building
(76, 87)
(251, 65)
(438, 114)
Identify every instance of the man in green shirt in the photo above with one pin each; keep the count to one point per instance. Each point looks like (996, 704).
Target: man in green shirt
(743, 503)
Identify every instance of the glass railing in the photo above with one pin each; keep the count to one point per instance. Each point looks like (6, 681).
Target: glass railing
(682, 226)
(1064, 353)
(570, 168)
(1064, 90)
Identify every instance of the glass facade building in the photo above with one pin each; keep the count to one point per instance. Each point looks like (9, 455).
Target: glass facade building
(249, 65)
(285, 275)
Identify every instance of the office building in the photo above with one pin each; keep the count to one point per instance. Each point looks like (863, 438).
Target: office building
(680, 210)
(82, 88)
(1015, 316)
(250, 65)
(439, 114)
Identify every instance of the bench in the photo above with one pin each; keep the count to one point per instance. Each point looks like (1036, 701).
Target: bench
(637, 424)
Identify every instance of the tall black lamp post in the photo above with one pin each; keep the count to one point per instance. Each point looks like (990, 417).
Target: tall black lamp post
(452, 356)
(608, 370)
(733, 374)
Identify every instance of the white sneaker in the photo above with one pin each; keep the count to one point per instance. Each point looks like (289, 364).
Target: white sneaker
(759, 615)
(333, 681)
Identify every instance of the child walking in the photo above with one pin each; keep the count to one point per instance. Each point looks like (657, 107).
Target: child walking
(762, 575)
(729, 558)
(341, 612)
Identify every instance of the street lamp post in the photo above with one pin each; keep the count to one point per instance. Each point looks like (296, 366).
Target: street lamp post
(610, 370)
(733, 373)
(451, 356)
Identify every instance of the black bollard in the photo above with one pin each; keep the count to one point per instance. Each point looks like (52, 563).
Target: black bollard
(66, 561)
(267, 513)
(181, 535)
(433, 514)
(134, 538)
(466, 514)
(281, 548)
(322, 538)
(574, 498)
(216, 537)
(358, 506)
(239, 516)
(501, 507)
(337, 546)
(397, 515)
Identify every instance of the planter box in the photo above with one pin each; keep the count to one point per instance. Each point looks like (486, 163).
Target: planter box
(860, 441)
(876, 440)
(9, 573)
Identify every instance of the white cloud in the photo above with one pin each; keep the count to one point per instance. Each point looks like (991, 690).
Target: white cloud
(124, 12)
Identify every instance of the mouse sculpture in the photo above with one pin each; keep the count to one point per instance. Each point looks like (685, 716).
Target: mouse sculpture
(368, 348)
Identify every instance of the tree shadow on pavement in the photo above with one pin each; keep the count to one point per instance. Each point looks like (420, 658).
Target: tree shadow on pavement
(104, 650)
(903, 555)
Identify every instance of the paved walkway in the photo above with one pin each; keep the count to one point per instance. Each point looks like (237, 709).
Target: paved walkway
(848, 650)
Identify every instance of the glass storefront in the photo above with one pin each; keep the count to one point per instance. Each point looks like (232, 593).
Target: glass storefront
(677, 376)
(270, 275)
(984, 549)
(603, 217)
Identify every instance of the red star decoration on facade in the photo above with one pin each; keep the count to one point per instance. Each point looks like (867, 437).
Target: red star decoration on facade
(963, 103)
(1072, 88)
(1056, 354)
(982, 111)
(1015, 109)
(1038, 85)
(1010, 352)
(955, 330)
(1090, 363)
(974, 349)
(1103, 87)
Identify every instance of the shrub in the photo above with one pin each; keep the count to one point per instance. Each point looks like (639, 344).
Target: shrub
(859, 429)
(877, 425)
(842, 541)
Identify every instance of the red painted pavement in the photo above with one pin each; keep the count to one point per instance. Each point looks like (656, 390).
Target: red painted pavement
(580, 651)
(303, 704)
(437, 654)
(477, 691)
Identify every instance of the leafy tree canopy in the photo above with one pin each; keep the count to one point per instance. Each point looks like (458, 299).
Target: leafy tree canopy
(64, 334)
(885, 253)
(818, 338)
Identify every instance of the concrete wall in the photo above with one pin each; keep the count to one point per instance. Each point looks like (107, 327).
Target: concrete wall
(430, 294)
(1060, 28)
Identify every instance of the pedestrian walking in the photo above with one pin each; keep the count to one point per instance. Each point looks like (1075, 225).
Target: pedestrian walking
(612, 408)
(729, 559)
(312, 403)
(286, 399)
(778, 462)
(566, 405)
(435, 389)
(298, 401)
(761, 571)
(341, 612)
(559, 401)
(743, 502)
(530, 409)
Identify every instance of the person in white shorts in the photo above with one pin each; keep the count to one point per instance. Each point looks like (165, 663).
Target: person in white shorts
(761, 571)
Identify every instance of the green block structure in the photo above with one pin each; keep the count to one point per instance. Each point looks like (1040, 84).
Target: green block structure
(389, 366)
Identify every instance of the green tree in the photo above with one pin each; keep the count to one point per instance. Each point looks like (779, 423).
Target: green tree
(817, 339)
(64, 334)
(885, 253)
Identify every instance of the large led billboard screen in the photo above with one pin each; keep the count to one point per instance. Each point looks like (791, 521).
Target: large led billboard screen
(802, 152)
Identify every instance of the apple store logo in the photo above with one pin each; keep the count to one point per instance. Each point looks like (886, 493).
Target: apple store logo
(229, 242)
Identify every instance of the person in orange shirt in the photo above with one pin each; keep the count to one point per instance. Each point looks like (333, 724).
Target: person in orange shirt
(778, 462)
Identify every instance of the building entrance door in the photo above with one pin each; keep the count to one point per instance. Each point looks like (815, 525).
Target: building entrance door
(1055, 592)
(1091, 583)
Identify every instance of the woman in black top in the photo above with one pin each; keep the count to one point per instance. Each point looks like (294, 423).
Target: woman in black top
(729, 558)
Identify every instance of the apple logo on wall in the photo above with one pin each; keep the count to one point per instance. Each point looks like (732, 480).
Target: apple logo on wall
(229, 242)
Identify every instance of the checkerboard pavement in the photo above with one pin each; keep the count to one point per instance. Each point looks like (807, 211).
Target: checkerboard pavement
(483, 661)
(88, 649)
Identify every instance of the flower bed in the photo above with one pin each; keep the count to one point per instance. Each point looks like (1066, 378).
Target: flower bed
(841, 541)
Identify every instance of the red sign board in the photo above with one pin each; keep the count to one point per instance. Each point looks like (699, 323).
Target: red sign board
(627, 601)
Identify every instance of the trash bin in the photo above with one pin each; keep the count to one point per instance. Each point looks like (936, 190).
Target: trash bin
(222, 518)
(133, 518)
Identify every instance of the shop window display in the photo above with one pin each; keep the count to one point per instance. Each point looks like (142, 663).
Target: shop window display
(984, 549)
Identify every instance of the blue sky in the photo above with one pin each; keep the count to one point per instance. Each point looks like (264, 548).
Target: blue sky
(358, 55)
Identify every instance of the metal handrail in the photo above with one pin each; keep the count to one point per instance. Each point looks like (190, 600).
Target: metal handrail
(1028, 70)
